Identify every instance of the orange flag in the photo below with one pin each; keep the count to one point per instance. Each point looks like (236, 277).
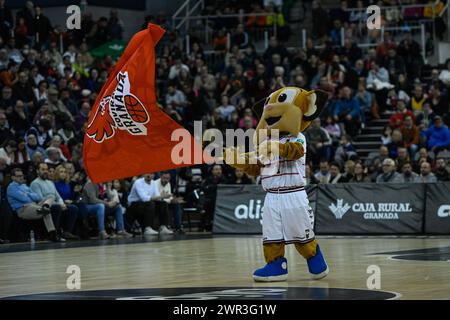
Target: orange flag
(127, 134)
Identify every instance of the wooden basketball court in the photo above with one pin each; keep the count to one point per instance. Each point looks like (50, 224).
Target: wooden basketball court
(198, 264)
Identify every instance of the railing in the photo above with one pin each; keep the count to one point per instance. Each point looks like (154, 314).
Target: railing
(187, 9)
(203, 26)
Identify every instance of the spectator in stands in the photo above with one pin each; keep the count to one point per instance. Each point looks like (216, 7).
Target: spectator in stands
(386, 136)
(378, 81)
(389, 172)
(45, 188)
(319, 142)
(402, 157)
(240, 177)
(440, 170)
(345, 151)
(5, 131)
(170, 202)
(438, 136)
(32, 146)
(426, 176)
(8, 152)
(396, 143)
(418, 99)
(411, 135)
(393, 63)
(359, 174)
(347, 110)
(407, 175)
(141, 205)
(335, 173)
(323, 174)
(28, 205)
(209, 186)
(425, 118)
(19, 118)
(42, 131)
(91, 204)
(240, 37)
(396, 120)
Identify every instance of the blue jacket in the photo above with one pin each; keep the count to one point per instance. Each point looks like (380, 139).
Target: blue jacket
(20, 195)
(437, 137)
(344, 107)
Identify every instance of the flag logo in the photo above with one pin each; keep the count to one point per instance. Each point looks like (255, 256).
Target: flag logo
(122, 110)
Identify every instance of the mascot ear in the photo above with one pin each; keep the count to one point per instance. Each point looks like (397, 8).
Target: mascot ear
(316, 103)
(258, 108)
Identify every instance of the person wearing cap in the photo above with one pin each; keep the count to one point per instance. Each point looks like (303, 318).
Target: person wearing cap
(438, 136)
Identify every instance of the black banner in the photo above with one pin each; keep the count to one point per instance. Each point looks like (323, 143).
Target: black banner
(437, 215)
(239, 208)
(370, 208)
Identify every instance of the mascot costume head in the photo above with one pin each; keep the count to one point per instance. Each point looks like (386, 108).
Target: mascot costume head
(279, 158)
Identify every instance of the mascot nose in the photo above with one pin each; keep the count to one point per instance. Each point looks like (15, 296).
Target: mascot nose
(268, 107)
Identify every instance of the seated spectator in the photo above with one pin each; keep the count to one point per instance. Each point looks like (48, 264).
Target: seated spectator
(438, 136)
(335, 173)
(402, 157)
(175, 98)
(411, 135)
(112, 196)
(209, 186)
(45, 188)
(386, 136)
(359, 174)
(240, 37)
(347, 110)
(91, 204)
(141, 205)
(425, 118)
(349, 171)
(18, 119)
(220, 41)
(53, 157)
(8, 152)
(426, 176)
(333, 129)
(5, 131)
(42, 131)
(319, 142)
(28, 205)
(309, 176)
(440, 171)
(21, 155)
(397, 142)
(240, 177)
(323, 175)
(345, 151)
(33, 147)
(378, 82)
(389, 172)
(365, 101)
(396, 120)
(226, 109)
(418, 98)
(407, 175)
(170, 202)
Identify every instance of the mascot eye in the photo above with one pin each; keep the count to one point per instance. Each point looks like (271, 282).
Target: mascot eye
(282, 97)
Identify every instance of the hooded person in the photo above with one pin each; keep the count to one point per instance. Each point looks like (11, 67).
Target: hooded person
(280, 159)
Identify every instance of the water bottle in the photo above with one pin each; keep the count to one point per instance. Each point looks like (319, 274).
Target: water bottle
(32, 239)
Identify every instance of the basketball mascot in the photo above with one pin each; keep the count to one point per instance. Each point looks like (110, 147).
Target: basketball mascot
(279, 159)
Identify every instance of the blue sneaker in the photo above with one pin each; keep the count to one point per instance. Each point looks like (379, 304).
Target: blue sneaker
(317, 266)
(274, 271)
